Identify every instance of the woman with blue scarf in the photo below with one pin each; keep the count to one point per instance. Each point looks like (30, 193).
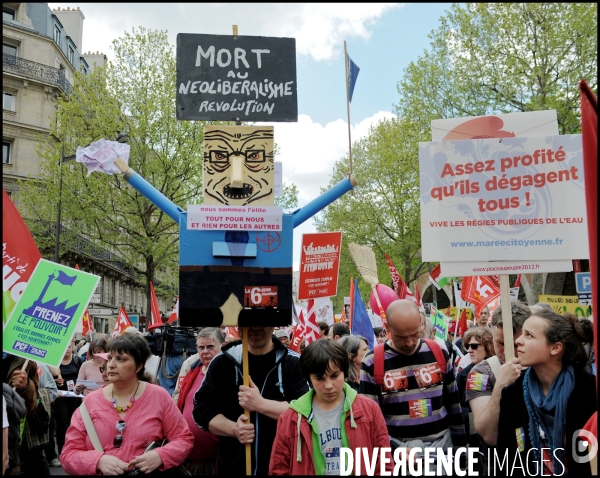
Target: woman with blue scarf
(541, 413)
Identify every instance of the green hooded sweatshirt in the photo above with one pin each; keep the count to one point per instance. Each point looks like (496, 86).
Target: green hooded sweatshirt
(304, 407)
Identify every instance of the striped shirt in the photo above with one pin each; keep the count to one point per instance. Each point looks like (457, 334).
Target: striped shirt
(418, 400)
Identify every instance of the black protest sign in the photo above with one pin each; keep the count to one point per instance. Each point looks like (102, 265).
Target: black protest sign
(243, 78)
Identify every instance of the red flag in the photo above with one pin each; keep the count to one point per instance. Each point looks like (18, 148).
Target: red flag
(88, 324)
(399, 285)
(20, 255)
(234, 332)
(122, 323)
(155, 318)
(298, 334)
(418, 296)
(448, 312)
(518, 281)
(479, 291)
(343, 318)
(589, 137)
(462, 323)
(311, 329)
(175, 314)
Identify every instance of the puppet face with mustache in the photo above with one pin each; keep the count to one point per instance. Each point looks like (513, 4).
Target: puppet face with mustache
(238, 165)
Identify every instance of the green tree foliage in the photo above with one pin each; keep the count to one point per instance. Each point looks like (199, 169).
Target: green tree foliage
(489, 58)
(384, 211)
(136, 95)
(289, 199)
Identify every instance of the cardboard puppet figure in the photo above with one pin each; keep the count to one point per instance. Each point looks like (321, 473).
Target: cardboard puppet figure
(238, 171)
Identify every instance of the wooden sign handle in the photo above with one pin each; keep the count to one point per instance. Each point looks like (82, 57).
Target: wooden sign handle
(507, 326)
(246, 377)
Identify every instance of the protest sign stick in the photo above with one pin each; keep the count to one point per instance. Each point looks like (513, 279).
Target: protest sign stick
(246, 378)
(509, 349)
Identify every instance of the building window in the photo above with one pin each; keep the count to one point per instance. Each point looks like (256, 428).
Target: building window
(6, 152)
(8, 49)
(57, 35)
(71, 55)
(9, 101)
(8, 14)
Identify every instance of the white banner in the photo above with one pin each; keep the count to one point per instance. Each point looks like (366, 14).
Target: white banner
(234, 218)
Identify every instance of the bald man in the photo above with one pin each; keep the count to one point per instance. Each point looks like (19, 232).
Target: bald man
(419, 400)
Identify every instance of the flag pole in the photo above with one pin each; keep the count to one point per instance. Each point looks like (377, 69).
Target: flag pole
(350, 312)
(348, 108)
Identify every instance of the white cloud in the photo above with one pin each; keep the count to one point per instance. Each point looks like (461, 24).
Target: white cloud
(319, 28)
(309, 150)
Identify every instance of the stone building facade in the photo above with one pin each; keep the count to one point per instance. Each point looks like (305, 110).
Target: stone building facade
(41, 51)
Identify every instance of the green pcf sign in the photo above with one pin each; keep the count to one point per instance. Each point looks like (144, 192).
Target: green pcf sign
(43, 322)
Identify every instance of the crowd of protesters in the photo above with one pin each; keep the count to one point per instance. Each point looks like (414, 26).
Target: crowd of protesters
(102, 411)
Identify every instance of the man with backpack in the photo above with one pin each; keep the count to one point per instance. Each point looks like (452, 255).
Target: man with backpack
(413, 381)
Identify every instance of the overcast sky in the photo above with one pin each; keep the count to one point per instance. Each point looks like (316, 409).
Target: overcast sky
(382, 39)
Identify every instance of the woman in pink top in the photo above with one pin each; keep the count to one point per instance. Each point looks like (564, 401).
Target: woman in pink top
(202, 459)
(127, 415)
(90, 370)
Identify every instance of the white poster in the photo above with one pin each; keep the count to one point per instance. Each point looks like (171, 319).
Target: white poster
(472, 268)
(514, 198)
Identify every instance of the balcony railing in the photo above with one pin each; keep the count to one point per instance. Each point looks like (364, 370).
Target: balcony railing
(78, 243)
(34, 70)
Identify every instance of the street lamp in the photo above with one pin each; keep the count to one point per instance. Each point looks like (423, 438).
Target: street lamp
(121, 138)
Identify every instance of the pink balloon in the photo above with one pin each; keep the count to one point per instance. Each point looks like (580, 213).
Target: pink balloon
(386, 294)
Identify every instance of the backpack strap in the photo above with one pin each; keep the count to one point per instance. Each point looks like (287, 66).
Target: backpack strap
(378, 364)
(437, 353)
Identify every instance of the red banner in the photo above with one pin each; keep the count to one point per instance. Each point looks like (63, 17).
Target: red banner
(20, 255)
(319, 265)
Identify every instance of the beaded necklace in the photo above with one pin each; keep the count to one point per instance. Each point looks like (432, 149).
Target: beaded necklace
(119, 408)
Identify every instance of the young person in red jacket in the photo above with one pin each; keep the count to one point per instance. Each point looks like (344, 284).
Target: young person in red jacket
(311, 432)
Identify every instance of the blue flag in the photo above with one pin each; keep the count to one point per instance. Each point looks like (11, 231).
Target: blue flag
(353, 70)
(361, 323)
